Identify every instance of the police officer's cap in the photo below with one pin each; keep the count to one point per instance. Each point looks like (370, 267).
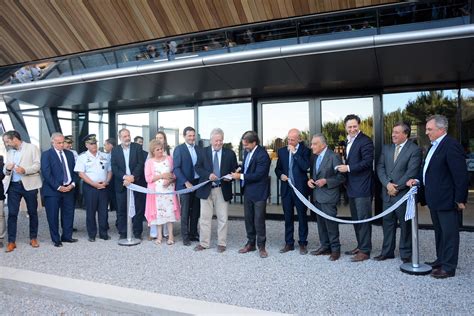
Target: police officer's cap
(90, 139)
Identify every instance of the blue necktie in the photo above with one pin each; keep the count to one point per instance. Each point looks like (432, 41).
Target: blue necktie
(318, 162)
(290, 168)
(246, 165)
(64, 168)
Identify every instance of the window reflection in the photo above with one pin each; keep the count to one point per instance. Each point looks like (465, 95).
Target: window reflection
(173, 123)
(467, 140)
(137, 123)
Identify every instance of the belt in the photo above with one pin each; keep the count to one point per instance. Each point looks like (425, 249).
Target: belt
(17, 182)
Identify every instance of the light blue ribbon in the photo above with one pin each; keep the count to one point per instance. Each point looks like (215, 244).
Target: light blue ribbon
(410, 213)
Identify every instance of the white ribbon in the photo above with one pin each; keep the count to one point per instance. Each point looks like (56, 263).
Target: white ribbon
(410, 213)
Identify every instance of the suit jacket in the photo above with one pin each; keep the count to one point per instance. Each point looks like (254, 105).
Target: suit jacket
(52, 171)
(183, 165)
(204, 167)
(447, 178)
(300, 168)
(329, 193)
(136, 165)
(2, 176)
(407, 166)
(256, 184)
(361, 162)
(31, 162)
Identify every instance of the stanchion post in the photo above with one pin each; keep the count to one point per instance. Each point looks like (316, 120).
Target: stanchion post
(415, 267)
(130, 241)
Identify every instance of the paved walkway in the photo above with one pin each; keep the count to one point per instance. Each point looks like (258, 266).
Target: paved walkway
(282, 283)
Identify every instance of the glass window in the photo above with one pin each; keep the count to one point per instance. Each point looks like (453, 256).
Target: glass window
(65, 114)
(137, 123)
(173, 124)
(233, 119)
(277, 119)
(467, 140)
(98, 125)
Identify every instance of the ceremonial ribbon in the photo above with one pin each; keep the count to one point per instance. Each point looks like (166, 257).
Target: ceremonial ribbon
(409, 197)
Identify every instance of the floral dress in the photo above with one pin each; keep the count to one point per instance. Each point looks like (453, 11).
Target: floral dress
(164, 202)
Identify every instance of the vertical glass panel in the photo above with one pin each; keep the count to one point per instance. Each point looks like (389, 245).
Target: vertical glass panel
(277, 120)
(33, 125)
(233, 119)
(414, 108)
(65, 114)
(66, 126)
(173, 124)
(137, 123)
(99, 125)
(333, 113)
(467, 140)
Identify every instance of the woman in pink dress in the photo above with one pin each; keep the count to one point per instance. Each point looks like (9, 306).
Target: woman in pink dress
(161, 209)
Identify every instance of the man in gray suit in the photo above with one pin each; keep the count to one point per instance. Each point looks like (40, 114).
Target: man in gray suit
(398, 162)
(325, 182)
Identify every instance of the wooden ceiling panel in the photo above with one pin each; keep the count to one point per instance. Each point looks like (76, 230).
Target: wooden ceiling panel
(39, 29)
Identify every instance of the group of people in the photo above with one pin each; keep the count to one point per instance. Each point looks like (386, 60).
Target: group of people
(442, 176)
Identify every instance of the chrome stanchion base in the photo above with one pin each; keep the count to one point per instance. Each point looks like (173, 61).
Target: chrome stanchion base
(129, 242)
(420, 269)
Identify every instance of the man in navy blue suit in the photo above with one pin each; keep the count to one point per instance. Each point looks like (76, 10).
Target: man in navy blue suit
(445, 183)
(127, 167)
(59, 182)
(185, 157)
(256, 189)
(359, 160)
(293, 164)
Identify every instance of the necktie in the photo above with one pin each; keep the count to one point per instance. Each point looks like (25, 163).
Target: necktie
(215, 167)
(290, 168)
(397, 152)
(246, 165)
(318, 162)
(64, 168)
(192, 152)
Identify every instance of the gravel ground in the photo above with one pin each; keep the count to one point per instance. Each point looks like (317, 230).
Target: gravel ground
(289, 283)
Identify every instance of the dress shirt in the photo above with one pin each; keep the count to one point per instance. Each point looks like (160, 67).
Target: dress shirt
(126, 155)
(192, 152)
(68, 174)
(247, 162)
(434, 145)
(17, 154)
(320, 159)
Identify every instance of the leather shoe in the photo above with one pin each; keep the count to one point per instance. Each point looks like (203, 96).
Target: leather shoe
(287, 248)
(434, 264)
(10, 247)
(91, 239)
(194, 238)
(441, 274)
(303, 250)
(106, 237)
(406, 260)
(262, 252)
(334, 256)
(34, 243)
(383, 258)
(58, 244)
(69, 240)
(220, 249)
(199, 248)
(320, 252)
(352, 252)
(247, 248)
(187, 242)
(360, 256)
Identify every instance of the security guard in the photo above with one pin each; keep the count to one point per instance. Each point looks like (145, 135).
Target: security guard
(94, 169)
(68, 145)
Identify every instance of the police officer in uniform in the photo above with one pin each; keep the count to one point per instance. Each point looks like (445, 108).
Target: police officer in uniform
(94, 169)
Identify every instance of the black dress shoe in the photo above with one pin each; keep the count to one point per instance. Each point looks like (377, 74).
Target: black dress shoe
(441, 274)
(287, 248)
(303, 250)
(106, 237)
(194, 238)
(321, 252)
(434, 264)
(383, 258)
(352, 252)
(69, 240)
(406, 260)
(187, 242)
(58, 244)
(91, 239)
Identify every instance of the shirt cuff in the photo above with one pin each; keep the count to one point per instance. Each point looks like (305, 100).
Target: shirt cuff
(348, 168)
(242, 177)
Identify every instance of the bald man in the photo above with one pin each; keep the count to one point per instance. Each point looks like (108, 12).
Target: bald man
(293, 163)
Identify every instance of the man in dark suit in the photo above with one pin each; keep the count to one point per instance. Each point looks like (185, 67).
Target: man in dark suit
(185, 157)
(359, 158)
(445, 182)
(293, 163)
(127, 167)
(3, 223)
(59, 182)
(398, 162)
(214, 163)
(256, 189)
(325, 182)
(140, 198)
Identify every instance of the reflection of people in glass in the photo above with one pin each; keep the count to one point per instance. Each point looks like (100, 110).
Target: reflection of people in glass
(161, 209)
